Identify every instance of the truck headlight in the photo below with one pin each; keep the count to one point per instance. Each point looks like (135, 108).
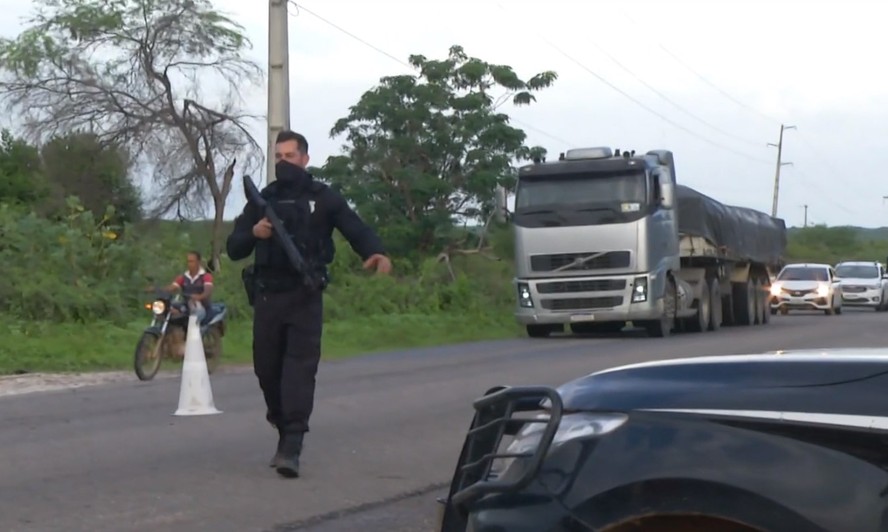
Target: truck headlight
(158, 307)
(524, 298)
(640, 290)
(571, 427)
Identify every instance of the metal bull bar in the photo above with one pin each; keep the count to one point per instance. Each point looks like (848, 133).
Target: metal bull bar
(493, 419)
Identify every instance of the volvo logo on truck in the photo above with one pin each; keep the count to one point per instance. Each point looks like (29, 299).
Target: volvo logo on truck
(605, 237)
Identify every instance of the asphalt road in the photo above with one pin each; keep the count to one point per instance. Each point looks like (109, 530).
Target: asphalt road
(385, 434)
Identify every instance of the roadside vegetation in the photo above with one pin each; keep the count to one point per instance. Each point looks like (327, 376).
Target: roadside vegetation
(81, 246)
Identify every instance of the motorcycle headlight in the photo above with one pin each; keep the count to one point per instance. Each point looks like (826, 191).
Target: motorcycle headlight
(571, 427)
(158, 307)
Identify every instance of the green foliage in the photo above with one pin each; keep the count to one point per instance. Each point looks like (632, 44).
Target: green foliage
(425, 149)
(80, 165)
(832, 245)
(21, 180)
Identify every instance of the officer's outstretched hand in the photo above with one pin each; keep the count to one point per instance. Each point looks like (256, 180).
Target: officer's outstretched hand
(380, 262)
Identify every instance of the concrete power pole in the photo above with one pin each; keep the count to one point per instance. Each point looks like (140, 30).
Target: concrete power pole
(779, 146)
(806, 216)
(278, 77)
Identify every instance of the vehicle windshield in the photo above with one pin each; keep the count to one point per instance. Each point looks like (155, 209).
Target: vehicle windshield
(577, 189)
(581, 199)
(803, 274)
(857, 271)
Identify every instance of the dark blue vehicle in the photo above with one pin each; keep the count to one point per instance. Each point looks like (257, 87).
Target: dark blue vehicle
(165, 336)
(791, 441)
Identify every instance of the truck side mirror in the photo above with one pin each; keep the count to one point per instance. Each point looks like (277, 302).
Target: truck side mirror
(668, 195)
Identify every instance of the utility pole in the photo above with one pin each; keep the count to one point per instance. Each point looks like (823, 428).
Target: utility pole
(779, 146)
(278, 78)
(806, 216)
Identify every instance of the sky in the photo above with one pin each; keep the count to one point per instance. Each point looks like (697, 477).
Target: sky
(710, 81)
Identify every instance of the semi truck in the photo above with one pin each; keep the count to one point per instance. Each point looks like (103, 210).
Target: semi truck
(604, 238)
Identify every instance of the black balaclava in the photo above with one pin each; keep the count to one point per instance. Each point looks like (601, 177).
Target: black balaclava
(290, 174)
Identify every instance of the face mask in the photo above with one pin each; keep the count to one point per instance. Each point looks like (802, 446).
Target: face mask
(287, 172)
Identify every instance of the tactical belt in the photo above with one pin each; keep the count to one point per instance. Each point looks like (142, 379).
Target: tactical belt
(279, 284)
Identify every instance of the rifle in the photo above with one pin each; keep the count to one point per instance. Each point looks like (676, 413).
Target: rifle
(280, 233)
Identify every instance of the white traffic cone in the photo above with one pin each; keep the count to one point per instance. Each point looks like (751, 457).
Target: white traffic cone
(195, 394)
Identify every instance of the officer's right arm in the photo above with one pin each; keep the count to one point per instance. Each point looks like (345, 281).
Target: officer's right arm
(241, 241)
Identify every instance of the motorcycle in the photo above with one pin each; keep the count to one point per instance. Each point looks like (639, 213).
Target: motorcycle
(165, 336)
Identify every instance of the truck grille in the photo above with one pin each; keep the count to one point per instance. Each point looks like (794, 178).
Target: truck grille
(591, 285)
(582, 303)
(611, 259)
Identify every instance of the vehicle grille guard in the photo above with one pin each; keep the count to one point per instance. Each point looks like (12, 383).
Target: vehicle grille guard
(493, 419)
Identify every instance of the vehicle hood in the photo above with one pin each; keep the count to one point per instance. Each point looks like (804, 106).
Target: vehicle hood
(799, 285)
(846, 381)
(863, 281)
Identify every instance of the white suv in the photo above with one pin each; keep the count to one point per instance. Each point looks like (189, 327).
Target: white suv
(863, 284)
(806, 287)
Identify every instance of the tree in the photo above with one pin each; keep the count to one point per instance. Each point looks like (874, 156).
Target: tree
(21, 181)
(98, 174)
(131, 72)
(424, 149)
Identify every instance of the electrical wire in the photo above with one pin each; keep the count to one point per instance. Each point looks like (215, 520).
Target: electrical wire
(639, 103)
(335, 26)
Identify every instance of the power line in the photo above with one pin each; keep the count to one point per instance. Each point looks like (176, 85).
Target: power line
(642, 105)
(669, 100)
(702, 78)
(408, 65)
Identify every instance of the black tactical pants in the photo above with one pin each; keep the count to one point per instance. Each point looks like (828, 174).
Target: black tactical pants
(286, 351)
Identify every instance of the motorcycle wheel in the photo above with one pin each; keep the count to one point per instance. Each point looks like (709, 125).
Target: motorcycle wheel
(149, 344)
(212, 342)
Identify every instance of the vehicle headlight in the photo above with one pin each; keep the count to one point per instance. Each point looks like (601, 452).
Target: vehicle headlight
(823, 290)
(158, 307)
(571, 427)
(524, 298)
(639, 290)
(775, 289)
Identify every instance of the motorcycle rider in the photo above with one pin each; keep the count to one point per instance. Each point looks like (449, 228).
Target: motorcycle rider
(196, 284)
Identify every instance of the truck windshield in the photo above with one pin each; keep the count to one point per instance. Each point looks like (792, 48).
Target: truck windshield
(581, 199)
(857, 271)
(803, 274)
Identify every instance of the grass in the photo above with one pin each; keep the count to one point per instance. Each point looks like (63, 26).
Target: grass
(67, 347)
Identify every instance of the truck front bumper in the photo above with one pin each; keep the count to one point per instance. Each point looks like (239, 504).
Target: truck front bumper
(585, 300)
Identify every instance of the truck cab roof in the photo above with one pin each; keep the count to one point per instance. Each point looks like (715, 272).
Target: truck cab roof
(598, 159)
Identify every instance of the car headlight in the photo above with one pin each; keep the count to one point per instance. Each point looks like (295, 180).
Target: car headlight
(524, 298)
(823, 290)
(775, 289)
(639, 290)
(571, 427)
(158, 307)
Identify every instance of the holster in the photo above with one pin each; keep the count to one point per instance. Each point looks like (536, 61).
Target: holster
(248, 276)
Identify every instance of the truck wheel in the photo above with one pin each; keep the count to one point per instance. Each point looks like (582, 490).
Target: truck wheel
(715, 304)
(744, 302)
(765, 291)
(700, 321)
(762, 294)
(664, 326)
(757, 287)
(540, 331)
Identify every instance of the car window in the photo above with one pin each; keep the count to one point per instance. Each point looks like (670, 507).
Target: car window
(858, 271)
(798, 273)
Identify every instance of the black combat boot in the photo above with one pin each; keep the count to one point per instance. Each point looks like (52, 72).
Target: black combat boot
(277, 455)
(291, 448)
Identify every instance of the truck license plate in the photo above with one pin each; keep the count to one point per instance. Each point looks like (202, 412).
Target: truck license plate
(582, 317)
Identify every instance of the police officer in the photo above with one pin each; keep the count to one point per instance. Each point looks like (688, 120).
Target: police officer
(288, 316)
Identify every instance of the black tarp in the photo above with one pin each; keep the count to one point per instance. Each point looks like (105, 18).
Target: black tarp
(747, 234)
